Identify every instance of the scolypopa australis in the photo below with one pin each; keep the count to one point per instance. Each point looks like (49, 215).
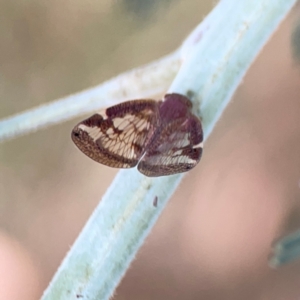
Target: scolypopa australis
(159, 137)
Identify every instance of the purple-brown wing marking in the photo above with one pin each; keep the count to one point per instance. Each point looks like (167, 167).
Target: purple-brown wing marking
(176, 146)
(117, 137)
(163, 138)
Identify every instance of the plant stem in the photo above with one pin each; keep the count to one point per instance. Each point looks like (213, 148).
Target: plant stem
(211, 72)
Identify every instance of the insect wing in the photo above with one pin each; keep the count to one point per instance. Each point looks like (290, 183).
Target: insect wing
(176, 148)
(118, 136)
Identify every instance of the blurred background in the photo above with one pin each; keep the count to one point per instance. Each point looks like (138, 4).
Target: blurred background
(214, 238)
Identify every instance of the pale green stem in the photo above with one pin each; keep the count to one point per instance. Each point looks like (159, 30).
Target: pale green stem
(236, 32)
(143, 82)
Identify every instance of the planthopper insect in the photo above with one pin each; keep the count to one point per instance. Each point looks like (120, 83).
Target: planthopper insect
(159, 137)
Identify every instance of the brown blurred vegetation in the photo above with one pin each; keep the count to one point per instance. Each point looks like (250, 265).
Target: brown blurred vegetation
(214, 238)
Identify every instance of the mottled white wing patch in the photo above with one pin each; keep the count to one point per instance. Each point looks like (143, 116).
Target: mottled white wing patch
(94, 132)
(117, 137)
